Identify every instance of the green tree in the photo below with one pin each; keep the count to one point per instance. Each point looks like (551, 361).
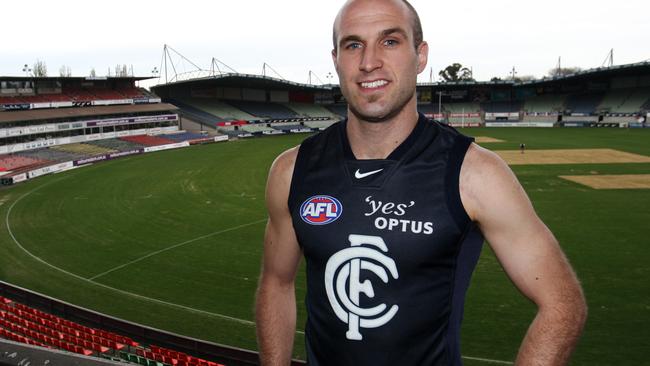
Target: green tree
(456, 72)
(562, 71)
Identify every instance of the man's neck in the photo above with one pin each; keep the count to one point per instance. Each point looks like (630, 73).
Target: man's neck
(377, 140)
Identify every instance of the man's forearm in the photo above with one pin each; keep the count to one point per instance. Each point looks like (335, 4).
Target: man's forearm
(276, 323)
(553, 335)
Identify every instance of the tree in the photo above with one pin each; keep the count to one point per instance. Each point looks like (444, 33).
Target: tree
(456, 72)
(39, 69)
(524, 78)
(93, 73)
(562, 71)
(65, 71)
(121, 71)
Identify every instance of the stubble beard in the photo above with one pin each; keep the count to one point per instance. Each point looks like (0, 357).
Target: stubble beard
(392, 109)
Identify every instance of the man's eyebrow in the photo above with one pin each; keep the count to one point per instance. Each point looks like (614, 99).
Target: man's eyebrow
(349, 38)
(390, 31)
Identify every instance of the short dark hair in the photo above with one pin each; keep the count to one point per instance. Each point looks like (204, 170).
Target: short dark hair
(417, 27)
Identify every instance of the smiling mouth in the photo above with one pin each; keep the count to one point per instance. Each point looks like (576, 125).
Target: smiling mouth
(373, 84)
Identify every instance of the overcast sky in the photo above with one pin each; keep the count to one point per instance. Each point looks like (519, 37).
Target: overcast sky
(294, 36)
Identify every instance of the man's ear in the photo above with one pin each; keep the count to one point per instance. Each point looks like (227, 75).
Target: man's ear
(423, 56)
(334, 54)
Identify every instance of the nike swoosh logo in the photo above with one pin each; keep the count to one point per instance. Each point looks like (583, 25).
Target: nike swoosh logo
(360, 175)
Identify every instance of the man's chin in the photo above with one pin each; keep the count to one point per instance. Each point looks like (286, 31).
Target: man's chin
(377, 116)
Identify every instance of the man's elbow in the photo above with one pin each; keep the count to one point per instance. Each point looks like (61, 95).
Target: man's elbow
(569, 311)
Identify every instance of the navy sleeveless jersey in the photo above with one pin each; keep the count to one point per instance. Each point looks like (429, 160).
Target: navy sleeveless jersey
(389, 248)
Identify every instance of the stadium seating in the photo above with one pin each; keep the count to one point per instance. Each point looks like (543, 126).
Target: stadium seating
(196, 113)
(147, 140)
(585, 103)
(286, 126)
(540, 118)
(338, 109)
(12, 162)
(116, 144)
(132, 93)
(28, 325)
(220, 110)
(311, 110)
(80, 95)
(624, 100)
(264, 110)
(83, 149)
(319, 124)
(107, 94)
(461, 107)
(11, 100)
(500, 107)
(254, 128)
(185, 136)
(544, 104)
(51, 155)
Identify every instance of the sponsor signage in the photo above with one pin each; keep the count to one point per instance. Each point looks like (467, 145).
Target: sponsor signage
(114, 155)
(221, 138)
(465, 124)
(16, 106)
(166, 147)
(112, 101)
(519, 124)
(131, 120)
(300, 130)
(50, 169)
(19, 177)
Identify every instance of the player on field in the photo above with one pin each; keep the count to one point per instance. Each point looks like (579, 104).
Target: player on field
(390, 211)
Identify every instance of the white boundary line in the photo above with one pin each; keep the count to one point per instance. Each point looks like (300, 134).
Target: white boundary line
(138, 296)
(158, 301)
(173, 247)
(487, 360)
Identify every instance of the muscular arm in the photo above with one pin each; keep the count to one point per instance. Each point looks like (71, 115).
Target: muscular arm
(530, 255)
(276, 302)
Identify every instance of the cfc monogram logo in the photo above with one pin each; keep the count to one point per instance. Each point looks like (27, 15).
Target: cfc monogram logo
(344, 287)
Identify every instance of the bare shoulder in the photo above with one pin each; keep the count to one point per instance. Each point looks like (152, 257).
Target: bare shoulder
(279, 179)
(486, 180)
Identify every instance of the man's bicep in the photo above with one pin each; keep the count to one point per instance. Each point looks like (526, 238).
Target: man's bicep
(281, 249)
(524, 246)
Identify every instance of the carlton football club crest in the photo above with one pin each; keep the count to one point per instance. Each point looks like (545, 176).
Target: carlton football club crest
(344, 286)
(320, 210)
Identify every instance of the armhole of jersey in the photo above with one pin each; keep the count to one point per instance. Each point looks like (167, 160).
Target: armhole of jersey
(452, 181)
(298, 173)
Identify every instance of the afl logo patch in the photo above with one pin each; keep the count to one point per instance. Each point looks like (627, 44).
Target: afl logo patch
(320, 210)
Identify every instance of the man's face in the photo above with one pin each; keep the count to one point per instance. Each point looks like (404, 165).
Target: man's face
(375, 58)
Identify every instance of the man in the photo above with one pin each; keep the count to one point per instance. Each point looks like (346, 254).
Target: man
(390, 211)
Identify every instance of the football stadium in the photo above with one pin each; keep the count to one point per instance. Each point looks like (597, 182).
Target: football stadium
(133, 218)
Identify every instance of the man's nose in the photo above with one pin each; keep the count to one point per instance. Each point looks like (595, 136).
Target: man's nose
(370, 59)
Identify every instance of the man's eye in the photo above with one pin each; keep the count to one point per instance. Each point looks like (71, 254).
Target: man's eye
(353, 45)
(391, 42)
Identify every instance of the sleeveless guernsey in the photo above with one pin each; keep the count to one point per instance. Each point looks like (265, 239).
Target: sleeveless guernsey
(389, 248)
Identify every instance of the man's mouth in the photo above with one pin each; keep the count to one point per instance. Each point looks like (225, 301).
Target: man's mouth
(373, 84)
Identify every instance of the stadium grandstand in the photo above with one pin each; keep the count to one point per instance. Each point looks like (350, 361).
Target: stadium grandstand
(50, 124)
(54, 124)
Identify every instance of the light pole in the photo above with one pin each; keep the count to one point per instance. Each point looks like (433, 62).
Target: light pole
(329, 78)
(26, 70)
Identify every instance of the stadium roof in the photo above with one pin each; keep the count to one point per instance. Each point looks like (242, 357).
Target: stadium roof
(48, 114)
(248, 81)
(82, 78)
(618, 70)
